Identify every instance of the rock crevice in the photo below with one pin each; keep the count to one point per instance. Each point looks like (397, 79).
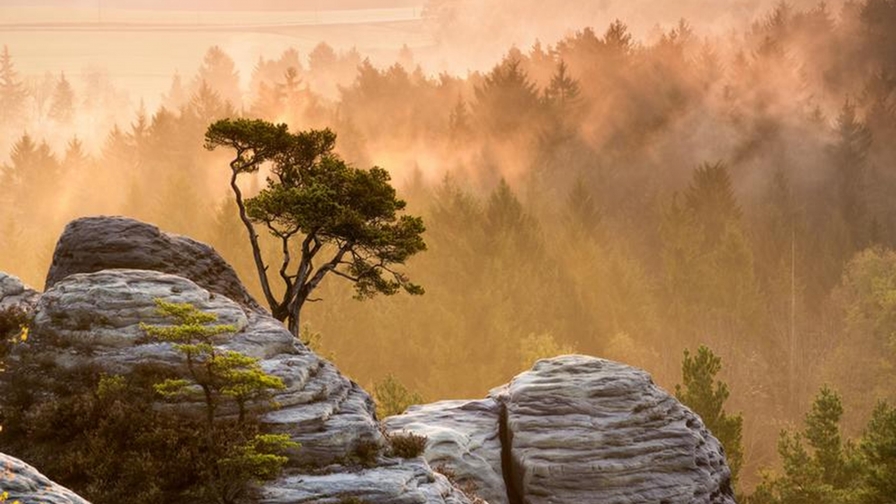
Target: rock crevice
(512, 481)
(582, 430)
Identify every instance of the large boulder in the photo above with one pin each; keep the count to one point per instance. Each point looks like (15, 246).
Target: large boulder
(93, 320)
(92, 244)
(25, 484)
(581, 430)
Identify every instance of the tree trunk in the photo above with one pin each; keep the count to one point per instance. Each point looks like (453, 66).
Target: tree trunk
(294, 320)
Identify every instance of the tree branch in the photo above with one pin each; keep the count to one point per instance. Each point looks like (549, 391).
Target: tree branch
(250, 228)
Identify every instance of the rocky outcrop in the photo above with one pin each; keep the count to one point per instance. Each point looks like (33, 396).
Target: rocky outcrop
(410, 482)
(92, 244)
(580, 430)
(16, 295)
(104, 282)
(572, 430)
(93, 319)
(25, 484)
(463, 441)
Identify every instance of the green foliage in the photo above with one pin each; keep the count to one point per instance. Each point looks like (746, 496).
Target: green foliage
(220, 375)
(878, 450)
(823, 435)
(107, 438)
(406, 444)
(101, 436)
(317, 200)
(701, 392)
(825, 471)
(392, 397)
(861, 361)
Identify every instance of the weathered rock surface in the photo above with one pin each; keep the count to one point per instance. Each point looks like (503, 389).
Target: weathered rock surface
(15, 294)
(92, 244)
(410, 482)
(462, 439)
(94, 319)
(25, 484)
(579, 430)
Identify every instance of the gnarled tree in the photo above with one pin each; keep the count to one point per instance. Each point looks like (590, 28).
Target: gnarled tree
(328, 216)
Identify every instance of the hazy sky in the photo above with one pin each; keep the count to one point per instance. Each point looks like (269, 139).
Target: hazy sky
(143, 61)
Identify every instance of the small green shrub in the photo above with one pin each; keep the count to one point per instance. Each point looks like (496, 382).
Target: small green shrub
(392, 397)
(366, 453)
(406, 444)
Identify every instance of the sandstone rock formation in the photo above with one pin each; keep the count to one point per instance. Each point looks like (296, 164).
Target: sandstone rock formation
(90, 315)
(574, 430)
(25, 484)
(14, 294)
(462, 440)
(580, 430)
(96, 243)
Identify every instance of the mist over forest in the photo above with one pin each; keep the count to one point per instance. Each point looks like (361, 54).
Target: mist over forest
(628, 189)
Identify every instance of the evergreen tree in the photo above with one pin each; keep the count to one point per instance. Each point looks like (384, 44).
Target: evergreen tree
(459, 122)
(878, 448)
(710, 198)
(219, 73)
(177, 95)
(849, 155)
(507, 100)
(563, 91)
(62, 105)
(316, 200)
(12, 91)
(701, 392)
(392, 397)
(75, 158)
(825, 472)
(207, 106)
(236, 454)
(564, 103)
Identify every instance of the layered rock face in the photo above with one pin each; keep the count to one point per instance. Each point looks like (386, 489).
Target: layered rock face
(576, 429)
(107, 274)
(97, 243)
(25, 484)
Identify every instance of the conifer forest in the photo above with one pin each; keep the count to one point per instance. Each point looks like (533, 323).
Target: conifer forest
(709, 195)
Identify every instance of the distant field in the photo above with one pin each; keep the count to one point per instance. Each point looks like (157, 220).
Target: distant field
(81, 18)
(217, 5)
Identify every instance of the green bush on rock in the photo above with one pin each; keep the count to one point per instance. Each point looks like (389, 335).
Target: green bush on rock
(106, 438)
